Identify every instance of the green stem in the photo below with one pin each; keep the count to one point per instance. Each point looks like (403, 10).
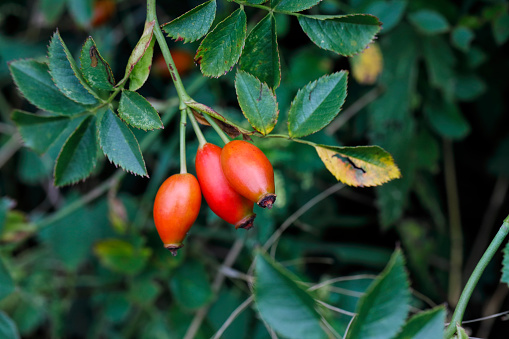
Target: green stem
(183, 165)
(457, 316)
(287, 137)
(197, 130)
(273, 10)
(219, 131)
(181, 91)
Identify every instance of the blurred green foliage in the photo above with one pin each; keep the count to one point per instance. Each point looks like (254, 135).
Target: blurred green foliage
(100, 271)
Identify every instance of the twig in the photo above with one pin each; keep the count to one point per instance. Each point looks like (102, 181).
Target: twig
(353, 109)
(233, 316)
(334, 308)
(488, 222)
(216, 286)
(9, 149)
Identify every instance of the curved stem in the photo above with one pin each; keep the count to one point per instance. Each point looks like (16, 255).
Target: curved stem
(218, 129)
(474, 278)
(183, 165)
(197, 130)
(161, 41)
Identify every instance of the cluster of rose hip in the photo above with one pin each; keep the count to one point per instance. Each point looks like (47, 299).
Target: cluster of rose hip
(231, 179)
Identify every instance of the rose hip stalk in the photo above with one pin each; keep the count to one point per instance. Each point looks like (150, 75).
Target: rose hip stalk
(249, 172)
(222, 199)
(176, 208)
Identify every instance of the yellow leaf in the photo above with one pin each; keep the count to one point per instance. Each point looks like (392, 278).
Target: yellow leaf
(367, 66)
(360, 166)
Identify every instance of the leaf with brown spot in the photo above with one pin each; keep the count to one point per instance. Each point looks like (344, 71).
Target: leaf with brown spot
(361, 166)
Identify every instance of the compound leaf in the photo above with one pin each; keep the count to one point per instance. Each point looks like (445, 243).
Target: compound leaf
(120, 145)
(221, 48)
(66, 73)
(138, 112)
(261, 56)
(95, 69)
(345, 34)
(382, 310)
(317, 104)
(78, 157)
(192, 25)
(34, 82)
(257, 102)
(360, 166)
(38, 132)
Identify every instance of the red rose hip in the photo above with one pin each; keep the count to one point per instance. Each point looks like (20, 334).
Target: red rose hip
(222, 199)
(249, 172)
(176, 208)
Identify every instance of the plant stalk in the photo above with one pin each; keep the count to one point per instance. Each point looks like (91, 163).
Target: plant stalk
(218, 129)
(183, 123)
(197, 130)
(457, 316)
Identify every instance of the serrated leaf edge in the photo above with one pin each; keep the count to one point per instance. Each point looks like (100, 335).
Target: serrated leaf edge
(301, 9)
(273, 95)
(120, 113)
(197, 58)
(179, 38)
(105, 62)
(313, 83)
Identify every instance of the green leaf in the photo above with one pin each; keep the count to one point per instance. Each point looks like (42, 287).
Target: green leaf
(8, 328)
(78, 157)
(52, 10)
(141, 70)
(121, 256)
(95, 69)
(81, 10)
(256, 2)
(344, 34)
(383, 309)
(293, 5)
(261, 56)
(190, 285)
(66, 73)
(221, 48)
(5, 205)
(120, 145)
(38, 132)
(141, 46)
(440, 61)
(6, 282)
(34, 82)
(361, 166)
(424, 325)
(505, 265)
(461, 38)
(446, 119)
(192, 25)
(390, 13)
(138, 112)
(317, 104)
(282, 303)
(429, 22)
(227, 301)
(257, 102)
(501, 28)
(469, 87)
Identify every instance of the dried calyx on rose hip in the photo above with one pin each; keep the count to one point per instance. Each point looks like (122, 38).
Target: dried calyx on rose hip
(249, 172)
(176, 208)
(222, 199)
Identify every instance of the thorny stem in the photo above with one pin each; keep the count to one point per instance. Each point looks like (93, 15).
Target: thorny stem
(183, 165)
(218, 129)
(197, 130)
(457, 316)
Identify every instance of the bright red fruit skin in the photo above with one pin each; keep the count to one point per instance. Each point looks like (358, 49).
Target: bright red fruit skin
(222, 199)
(249, 172)
(176, 208)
